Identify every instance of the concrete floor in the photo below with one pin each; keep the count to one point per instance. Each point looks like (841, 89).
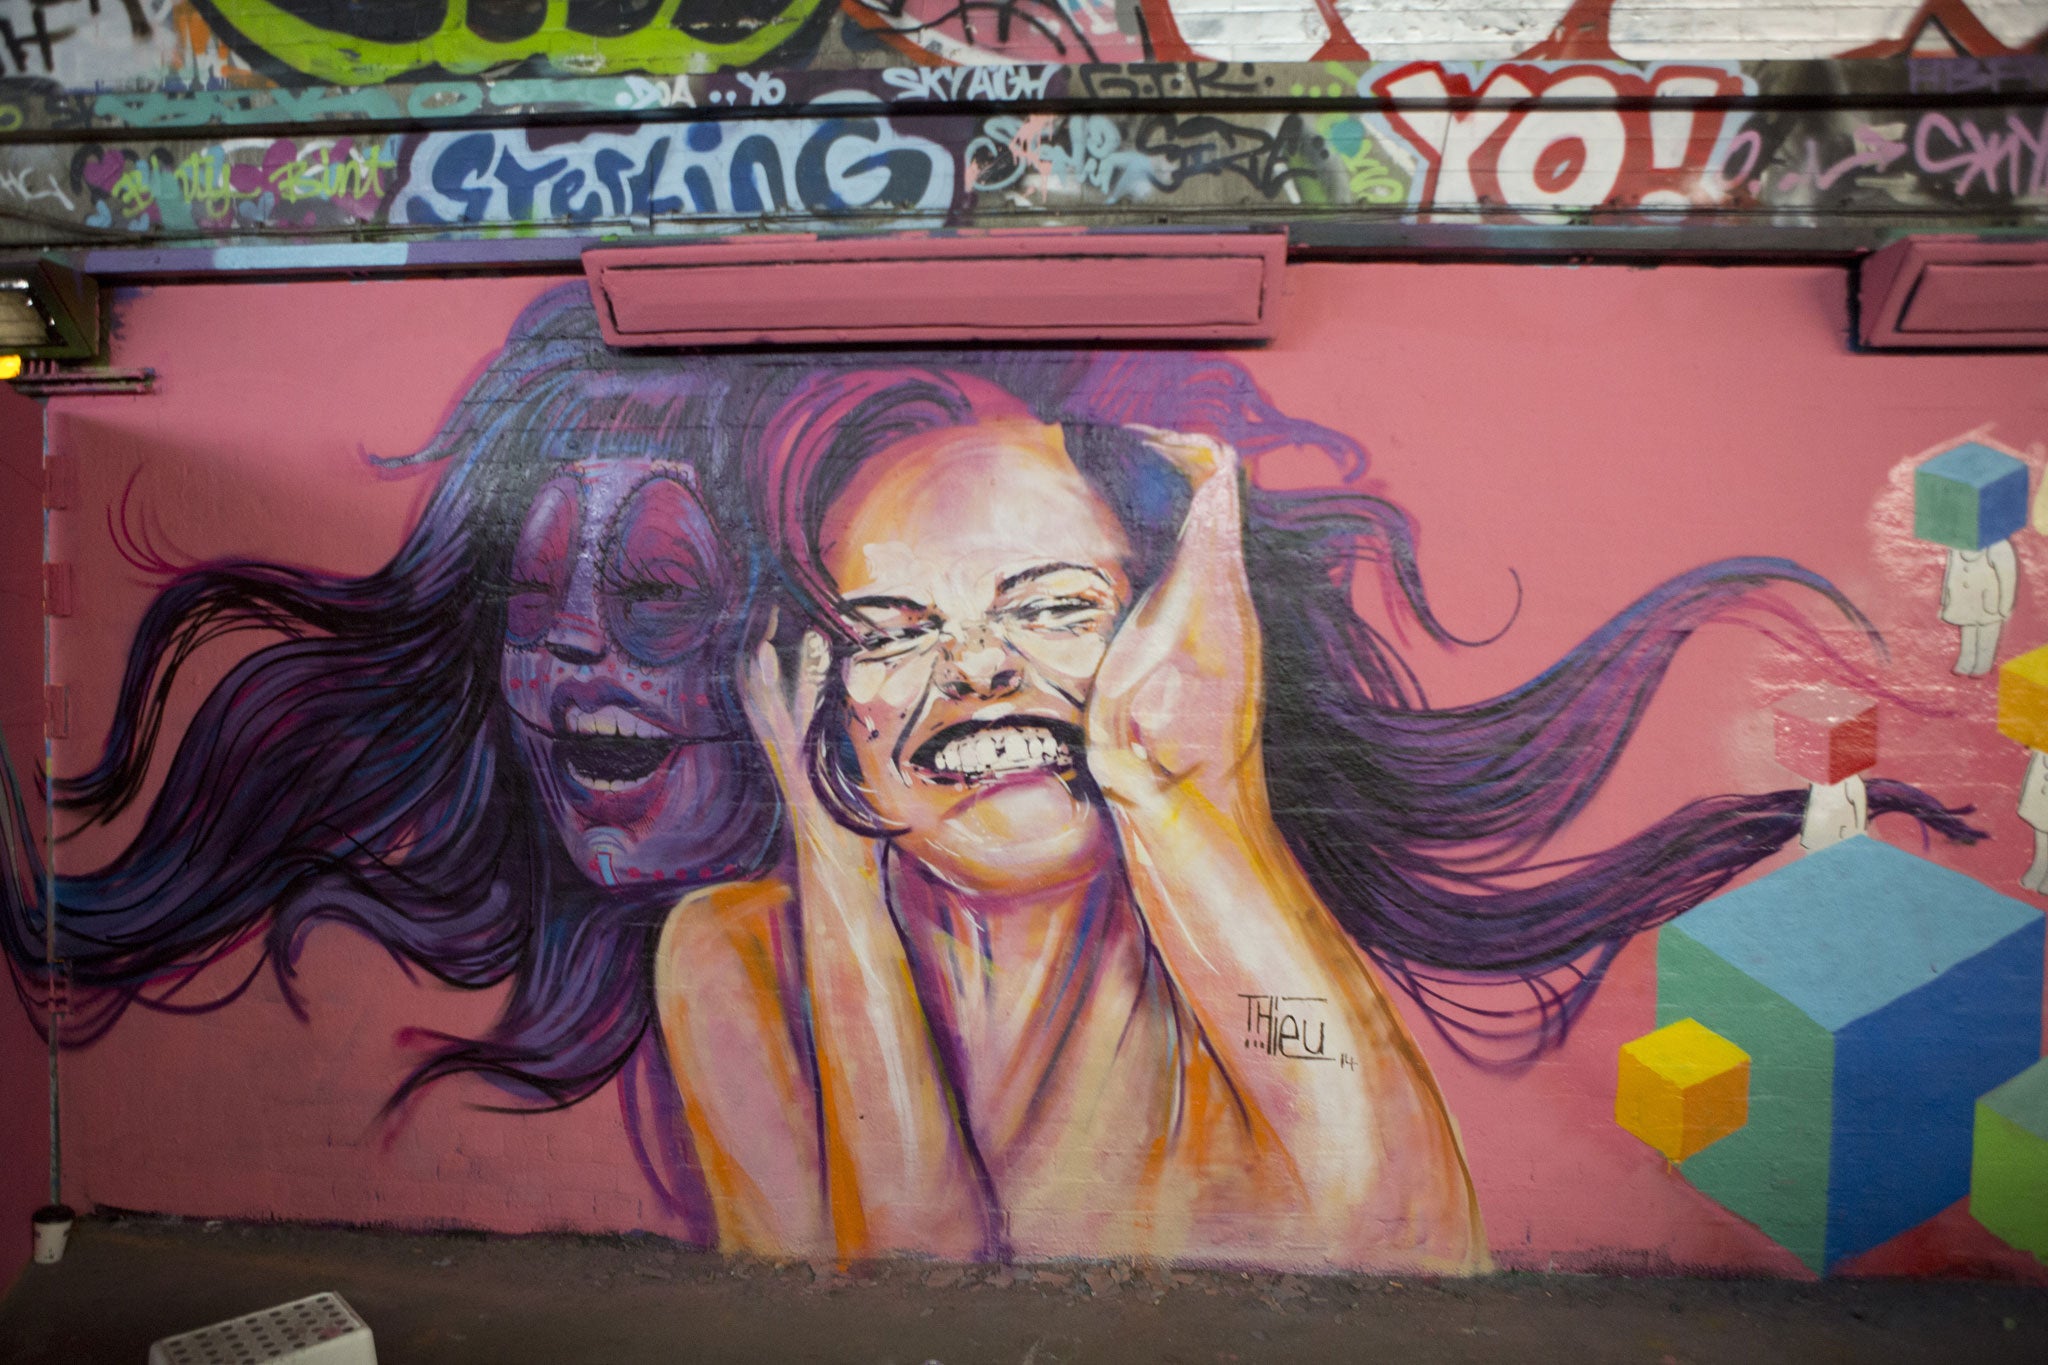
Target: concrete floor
(453, 1299)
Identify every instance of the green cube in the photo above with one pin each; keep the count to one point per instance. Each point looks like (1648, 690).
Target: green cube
(1969, 496)
(1778, 1177)
(2009, 1161)
(1878, 996)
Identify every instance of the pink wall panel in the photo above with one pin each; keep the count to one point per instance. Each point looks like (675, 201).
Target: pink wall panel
(1588, 432)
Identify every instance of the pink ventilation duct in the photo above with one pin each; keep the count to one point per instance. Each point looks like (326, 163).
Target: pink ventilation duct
(1033, 285)
(1955, 293)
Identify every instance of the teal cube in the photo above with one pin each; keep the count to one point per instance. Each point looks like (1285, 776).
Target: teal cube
(2009, 1161)
(1969, 496)
(1878, 995)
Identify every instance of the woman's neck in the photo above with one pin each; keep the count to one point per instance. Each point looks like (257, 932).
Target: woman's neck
(1006, 978)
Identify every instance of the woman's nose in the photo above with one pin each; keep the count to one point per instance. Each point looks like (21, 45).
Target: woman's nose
(977, 663)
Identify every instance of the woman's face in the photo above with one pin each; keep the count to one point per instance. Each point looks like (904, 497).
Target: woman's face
(984, 580)
(618, 589)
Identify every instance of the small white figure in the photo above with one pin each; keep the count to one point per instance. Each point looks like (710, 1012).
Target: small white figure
(1834, 811)
(2034, 810)
(1977, 594)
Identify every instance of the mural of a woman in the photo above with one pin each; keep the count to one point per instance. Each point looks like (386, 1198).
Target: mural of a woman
(499, 755)
(1093, 768)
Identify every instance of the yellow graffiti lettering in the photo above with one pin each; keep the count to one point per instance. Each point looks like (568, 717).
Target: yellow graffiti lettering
(133, 194)
(205, 179)
(317, 175)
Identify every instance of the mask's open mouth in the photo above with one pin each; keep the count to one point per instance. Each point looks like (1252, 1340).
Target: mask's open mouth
(982, 751)
(612, 763)
(611, 749)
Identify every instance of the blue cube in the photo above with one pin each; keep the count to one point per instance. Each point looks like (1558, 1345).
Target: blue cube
(1969, 496)
(1878, 995)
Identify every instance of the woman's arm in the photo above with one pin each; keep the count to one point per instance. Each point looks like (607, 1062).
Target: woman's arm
(1173, 742)
(720, 978)
(895, 1171)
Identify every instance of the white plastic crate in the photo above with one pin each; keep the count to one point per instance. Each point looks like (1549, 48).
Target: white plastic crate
(322, 1329)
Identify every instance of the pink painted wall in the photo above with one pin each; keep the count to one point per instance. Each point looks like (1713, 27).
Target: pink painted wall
(24, 1092)
(1593, 431)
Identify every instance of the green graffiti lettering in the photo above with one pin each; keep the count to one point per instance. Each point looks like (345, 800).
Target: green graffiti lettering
(1371, 180)
(206, 180)
(317, 175)
(133, 194)
(658, 46)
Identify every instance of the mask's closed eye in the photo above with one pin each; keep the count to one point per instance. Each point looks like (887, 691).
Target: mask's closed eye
(540, 564)
(665, 586)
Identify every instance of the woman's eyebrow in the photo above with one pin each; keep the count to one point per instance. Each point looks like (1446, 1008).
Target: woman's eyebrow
(1045, 570)
(884, 603)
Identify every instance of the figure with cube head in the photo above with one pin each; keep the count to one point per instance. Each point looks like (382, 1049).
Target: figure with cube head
(1828, 736)
(1971, 498)
(2023, 716)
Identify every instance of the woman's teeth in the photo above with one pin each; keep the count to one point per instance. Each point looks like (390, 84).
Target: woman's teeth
(1004, 750)
(611, 720)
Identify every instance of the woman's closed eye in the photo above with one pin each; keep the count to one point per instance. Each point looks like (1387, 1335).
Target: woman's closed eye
(1066, 615)
(887, 641)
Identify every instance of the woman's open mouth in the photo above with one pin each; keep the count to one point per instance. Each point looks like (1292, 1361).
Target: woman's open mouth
(610, 749)
(982, 751)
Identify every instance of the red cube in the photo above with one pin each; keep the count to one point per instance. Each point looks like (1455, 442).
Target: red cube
(1826, 734)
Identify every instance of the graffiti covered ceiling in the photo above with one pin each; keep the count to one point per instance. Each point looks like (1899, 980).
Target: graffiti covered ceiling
(97, 44)
(396, 128)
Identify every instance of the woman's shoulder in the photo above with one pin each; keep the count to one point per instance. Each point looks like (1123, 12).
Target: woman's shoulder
(714, 928)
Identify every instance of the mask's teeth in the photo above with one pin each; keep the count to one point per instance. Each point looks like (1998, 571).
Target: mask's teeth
(611, 720)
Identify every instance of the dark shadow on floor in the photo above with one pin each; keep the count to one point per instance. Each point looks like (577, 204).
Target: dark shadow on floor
(452, 1299)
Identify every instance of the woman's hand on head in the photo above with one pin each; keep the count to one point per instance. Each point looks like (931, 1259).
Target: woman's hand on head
(894, 1166)
(781, 715)
(1176, 700)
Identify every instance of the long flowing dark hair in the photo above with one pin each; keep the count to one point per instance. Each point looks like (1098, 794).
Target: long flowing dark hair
(362, 769)
(1422, 828)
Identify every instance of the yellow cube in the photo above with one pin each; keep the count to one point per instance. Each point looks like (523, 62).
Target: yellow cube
(1682, 1089)
(2023, 698)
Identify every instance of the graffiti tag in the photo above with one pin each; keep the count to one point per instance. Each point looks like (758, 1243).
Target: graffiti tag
(1053, 156)
(19, 184)
(212, 179)
(372, 44)
(1548, 141)
(1278, 1025)
(968, 83)
(802, 166)
(2012, 159)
